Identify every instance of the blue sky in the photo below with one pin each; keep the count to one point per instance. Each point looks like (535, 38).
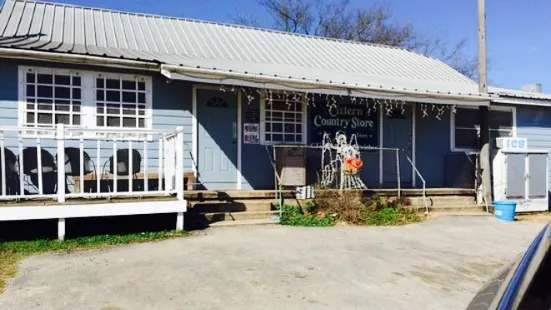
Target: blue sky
(519, 42)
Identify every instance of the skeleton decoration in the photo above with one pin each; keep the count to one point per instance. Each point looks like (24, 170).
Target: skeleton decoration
(341, 163)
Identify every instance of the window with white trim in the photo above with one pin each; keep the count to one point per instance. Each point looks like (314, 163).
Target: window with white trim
(466, 126)
(84, 98)
(283, 121)
(51, 97)
(120, 101)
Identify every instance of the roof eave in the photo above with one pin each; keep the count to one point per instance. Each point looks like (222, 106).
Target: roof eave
(249, 79)
(83, 59)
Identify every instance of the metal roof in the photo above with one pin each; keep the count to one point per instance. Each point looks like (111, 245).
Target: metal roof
(505, 92)
(62, 28)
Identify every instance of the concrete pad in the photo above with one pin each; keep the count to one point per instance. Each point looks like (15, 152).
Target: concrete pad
(438, 264)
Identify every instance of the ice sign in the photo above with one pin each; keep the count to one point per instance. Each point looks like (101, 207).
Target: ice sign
(512, 143)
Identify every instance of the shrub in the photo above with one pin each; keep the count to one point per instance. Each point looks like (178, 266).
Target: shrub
(351, 207)
(294, 216)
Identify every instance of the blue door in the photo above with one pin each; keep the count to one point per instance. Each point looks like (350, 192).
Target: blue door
(397, 133)
(217, 139)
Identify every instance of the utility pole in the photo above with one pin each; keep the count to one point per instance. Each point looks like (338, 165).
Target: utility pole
(485, 149)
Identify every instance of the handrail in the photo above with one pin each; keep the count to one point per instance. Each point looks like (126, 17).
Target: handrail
(422, 180)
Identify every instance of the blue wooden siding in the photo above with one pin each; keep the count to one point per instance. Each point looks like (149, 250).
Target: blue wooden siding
(171, 108)
(432, 146)
(256, 168)
(534, 124)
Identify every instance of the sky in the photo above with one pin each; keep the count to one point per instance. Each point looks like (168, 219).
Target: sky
(518, 36)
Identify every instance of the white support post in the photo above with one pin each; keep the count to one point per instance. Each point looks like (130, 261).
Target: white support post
(161, 176)
(81, 166)
(61, 229)
(131, 167)
(179, 150)
(21, 167)
(180, 221)
(145, 166)
(60, 137)
(39, 166)
(98, 163)
(115, 167)
(3, 165)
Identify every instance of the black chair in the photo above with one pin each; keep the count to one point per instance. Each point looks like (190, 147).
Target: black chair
(49, 168)
(10, 176)
(73, 162)
(123, 167)
(123, 162)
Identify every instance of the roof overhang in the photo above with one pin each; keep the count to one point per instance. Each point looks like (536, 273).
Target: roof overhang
(79, 59)
(244, 79)
(522, 101)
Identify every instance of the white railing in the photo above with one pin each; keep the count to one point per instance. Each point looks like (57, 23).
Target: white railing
(62, 163)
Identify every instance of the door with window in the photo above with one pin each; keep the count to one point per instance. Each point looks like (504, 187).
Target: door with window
(397, 133)
(217, 139)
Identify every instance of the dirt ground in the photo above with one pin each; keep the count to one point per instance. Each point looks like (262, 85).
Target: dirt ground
(437, 264)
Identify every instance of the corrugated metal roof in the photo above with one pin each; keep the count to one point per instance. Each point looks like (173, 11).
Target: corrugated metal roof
(62, 28)
(505, 92)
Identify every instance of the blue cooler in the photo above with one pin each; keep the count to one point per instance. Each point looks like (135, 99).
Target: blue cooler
(505, 210)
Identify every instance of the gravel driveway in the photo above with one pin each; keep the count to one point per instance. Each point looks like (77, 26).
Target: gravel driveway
(438, 264)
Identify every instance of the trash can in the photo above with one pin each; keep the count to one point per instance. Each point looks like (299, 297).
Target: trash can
(505, 210)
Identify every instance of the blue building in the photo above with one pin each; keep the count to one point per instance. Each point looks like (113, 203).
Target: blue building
(203, 104)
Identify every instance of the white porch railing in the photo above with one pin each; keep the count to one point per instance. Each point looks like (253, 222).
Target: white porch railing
(39, 163)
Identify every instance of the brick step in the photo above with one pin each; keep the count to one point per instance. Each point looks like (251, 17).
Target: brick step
(442, 201)
(235, 216)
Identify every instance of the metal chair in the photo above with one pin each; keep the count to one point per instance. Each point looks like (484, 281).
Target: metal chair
(31, 169)
(10, 176)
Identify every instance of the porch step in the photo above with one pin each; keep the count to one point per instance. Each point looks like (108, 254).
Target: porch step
(256, 205)
(466, 213)
(236, 216)
(245, 222)
(452, 209)
(436, 201)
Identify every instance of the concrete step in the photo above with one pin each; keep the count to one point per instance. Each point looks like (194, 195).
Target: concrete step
(443, 201)
(236, 216)
(465, 213)
(233, 206)
(452, 208)
(245, 222)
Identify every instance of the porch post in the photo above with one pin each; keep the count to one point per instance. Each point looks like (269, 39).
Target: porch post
(485, 150)
(60, 137)
(61, 229)
(180, 162)
(180, 221)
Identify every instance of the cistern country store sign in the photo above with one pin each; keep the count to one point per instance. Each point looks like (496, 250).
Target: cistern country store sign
(348, 118)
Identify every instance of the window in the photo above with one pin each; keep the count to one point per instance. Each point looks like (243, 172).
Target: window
(51, 97)
(283, 121)
(466, 127)
(84, 98)
(120, 102)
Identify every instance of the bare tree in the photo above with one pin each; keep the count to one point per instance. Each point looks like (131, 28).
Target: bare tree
(337, 19)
